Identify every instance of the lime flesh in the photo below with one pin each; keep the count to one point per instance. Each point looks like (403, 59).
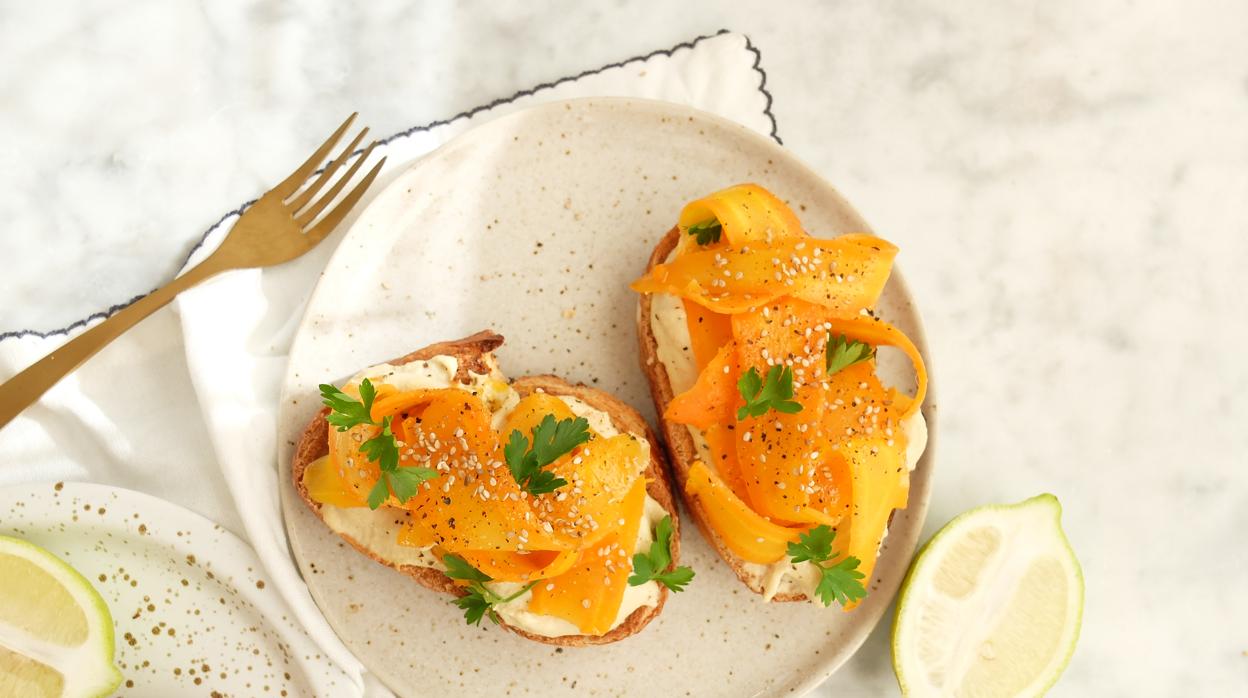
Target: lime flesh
(56, 634)
(991, 606)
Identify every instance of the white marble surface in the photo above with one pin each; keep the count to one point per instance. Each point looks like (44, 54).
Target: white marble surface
(1068, 182)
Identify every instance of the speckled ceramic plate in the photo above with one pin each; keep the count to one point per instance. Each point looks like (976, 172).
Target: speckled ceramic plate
(185, 594)
(533, 225)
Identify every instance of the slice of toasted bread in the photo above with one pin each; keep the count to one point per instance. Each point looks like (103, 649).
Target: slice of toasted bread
(680, 444)
(474, 354)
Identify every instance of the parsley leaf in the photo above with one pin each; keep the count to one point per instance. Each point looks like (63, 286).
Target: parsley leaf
(475, 607)
(814, 545)
(841, 581)
(653, 564)
(551, 440)
(843, 352)
(706, 232)
(458, 568)
(380, 492)
(404, 482)
(346, 412)
(383, 448)
(480, 600)
(771, 393)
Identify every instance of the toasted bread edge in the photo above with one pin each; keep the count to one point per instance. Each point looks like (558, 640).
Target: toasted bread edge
(472, 352)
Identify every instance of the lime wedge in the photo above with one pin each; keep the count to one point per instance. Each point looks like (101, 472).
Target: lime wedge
(56, 634)
(991, 606)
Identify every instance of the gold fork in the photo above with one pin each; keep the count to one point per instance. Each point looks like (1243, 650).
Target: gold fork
(282, 225)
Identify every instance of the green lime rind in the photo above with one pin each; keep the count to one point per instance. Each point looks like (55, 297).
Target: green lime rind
(1046, 500)
(72, 579)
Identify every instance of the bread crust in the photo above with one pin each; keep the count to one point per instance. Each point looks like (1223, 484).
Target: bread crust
(681, 448)
(474, 355)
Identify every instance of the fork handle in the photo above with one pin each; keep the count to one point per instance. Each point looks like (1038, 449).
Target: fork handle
(22, 390)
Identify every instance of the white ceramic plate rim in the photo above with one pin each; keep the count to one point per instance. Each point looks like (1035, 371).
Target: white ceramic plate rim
(916, 510)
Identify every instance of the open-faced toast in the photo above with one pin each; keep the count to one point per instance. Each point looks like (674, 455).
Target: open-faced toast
(474, 355)
(759, 344)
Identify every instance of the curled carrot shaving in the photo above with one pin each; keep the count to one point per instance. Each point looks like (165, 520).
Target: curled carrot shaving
(747, 212)
(391, 402)
(589, 592)
(326, 485)
(844, 274)
(521, 567)
(746, 533)
(713, 397)
(415, 534)
(876, 332)
(708, 331)
(881, 483)
(723, 448)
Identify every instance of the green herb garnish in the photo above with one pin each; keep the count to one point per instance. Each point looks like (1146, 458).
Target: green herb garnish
(480, 599)
(652, 566)
(843, 352)
(772, 393)
(706, 232)
(839, 581)
(551, 440)
(346, 412)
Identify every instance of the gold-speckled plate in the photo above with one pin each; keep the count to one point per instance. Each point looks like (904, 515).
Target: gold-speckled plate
(190, 609)
(534, 224)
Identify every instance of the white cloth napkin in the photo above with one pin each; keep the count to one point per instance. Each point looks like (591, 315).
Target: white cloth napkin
(127, 418)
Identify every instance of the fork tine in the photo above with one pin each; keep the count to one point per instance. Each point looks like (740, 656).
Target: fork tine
(315, 208)
(337, 213)
(306, 195)
(291, 184)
